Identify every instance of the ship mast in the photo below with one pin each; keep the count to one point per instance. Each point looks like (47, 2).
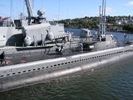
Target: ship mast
(102, 22)
(29, 10)
(104, 18)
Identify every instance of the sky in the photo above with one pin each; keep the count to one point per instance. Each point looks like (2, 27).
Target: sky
(64, 9)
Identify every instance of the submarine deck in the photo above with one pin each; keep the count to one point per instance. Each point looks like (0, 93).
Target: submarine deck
(18, 58)
(40, 54)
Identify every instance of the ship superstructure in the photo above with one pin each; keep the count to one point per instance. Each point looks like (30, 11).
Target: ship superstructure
(30, 31)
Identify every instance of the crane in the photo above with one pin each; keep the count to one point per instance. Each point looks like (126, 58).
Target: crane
(29, 10)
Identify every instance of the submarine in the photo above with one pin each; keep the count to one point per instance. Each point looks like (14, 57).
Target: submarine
(61, 56)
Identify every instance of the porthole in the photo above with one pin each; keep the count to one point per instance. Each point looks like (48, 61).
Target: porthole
(4, 36)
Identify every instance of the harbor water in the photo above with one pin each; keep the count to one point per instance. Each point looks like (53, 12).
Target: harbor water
(114, 82)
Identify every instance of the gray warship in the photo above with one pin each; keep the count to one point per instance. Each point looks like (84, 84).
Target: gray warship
(38, 51)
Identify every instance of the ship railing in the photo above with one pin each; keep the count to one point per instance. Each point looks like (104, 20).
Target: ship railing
(77, 38)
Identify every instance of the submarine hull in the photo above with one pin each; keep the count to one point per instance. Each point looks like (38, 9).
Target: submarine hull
(21, 75)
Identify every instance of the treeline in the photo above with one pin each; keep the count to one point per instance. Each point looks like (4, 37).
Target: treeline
(128, 28)
(93, 22)
(90, 23)
(86, 22)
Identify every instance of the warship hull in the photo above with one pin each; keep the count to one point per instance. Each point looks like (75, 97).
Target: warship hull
(21, 75)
